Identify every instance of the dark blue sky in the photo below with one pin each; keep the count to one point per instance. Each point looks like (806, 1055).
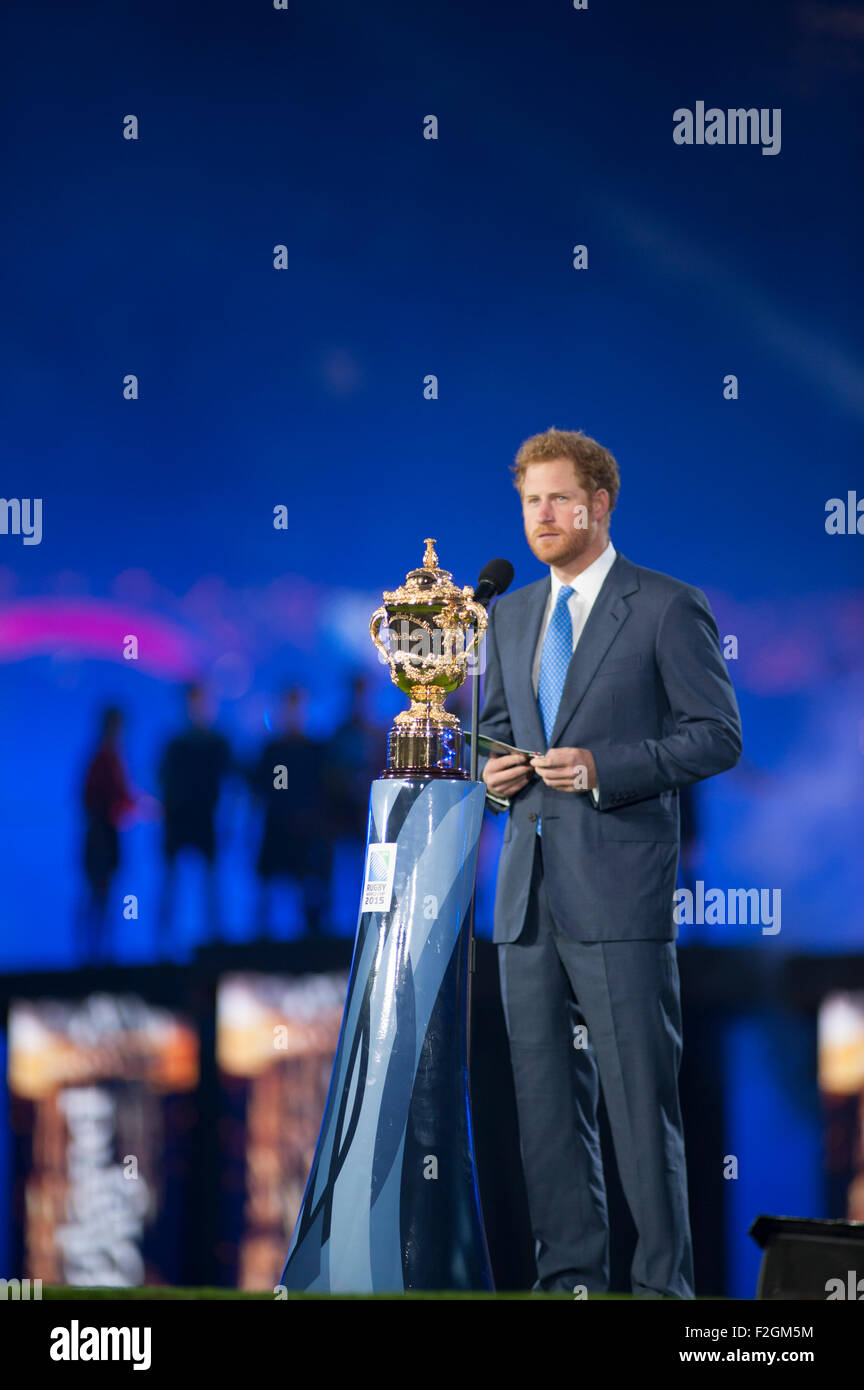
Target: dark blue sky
(409, 256)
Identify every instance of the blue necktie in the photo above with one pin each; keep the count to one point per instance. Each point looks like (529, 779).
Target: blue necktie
(554, 660)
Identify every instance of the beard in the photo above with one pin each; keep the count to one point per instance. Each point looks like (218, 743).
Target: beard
(562, 548)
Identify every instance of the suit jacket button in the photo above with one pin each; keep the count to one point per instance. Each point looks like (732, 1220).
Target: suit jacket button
(532, 817)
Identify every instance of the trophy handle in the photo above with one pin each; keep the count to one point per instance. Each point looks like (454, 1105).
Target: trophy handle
(479, 612)
(375, 622)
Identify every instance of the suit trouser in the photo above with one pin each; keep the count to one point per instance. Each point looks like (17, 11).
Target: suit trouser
(580, 1015)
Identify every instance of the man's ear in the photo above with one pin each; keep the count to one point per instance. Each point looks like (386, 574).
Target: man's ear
(601, 496)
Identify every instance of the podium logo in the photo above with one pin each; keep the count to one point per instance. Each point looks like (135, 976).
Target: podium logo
(378, 878)
(732, 127)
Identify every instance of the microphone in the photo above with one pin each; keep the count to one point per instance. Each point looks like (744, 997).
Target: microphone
(494, 579)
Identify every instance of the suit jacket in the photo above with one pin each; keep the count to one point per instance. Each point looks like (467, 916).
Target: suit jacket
(648, 693)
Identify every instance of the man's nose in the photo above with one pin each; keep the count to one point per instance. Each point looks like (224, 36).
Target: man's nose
(546, 512)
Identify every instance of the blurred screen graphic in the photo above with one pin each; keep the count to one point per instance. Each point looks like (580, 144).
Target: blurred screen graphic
(276, 1040)
(103, 1109)
(841, 1084)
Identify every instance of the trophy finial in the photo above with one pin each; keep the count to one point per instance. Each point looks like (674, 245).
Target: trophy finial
(430, 559)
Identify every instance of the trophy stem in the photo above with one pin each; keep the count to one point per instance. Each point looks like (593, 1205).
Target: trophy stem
(426, 750)
(426, 739)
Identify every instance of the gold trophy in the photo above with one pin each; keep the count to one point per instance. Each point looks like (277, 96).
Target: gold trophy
(427, 620)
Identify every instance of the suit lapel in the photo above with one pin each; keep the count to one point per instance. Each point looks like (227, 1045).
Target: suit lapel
(605, 621)
(524, 646)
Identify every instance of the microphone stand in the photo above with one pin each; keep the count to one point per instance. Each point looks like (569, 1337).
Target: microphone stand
(472, 949)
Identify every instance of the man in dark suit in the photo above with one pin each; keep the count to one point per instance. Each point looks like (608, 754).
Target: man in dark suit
(614, 675)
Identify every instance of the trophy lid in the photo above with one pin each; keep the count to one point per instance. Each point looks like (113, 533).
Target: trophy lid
(429, 584)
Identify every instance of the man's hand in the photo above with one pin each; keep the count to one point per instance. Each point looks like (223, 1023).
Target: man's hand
(558, 769)
(507, 775)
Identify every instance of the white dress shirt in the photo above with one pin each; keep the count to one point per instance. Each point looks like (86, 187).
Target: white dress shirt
(586, 586)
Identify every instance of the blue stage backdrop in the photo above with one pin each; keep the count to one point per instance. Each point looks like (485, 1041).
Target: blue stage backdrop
(286, 289)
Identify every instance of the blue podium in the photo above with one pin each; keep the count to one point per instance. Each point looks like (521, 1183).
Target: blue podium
(391, 1202)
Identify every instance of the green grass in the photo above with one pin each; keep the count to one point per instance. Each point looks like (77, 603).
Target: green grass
(66, 1294)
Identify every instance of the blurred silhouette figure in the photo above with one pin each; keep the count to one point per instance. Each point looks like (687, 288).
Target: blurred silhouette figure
(288, 780)
(107, 797)
(355, 755)
(192, 769)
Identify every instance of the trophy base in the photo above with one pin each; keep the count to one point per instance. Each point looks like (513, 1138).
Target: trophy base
(427, 751)
(423, 773)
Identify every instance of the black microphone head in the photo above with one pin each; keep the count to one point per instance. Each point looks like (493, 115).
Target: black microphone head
(498, 574)
(494, 579)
